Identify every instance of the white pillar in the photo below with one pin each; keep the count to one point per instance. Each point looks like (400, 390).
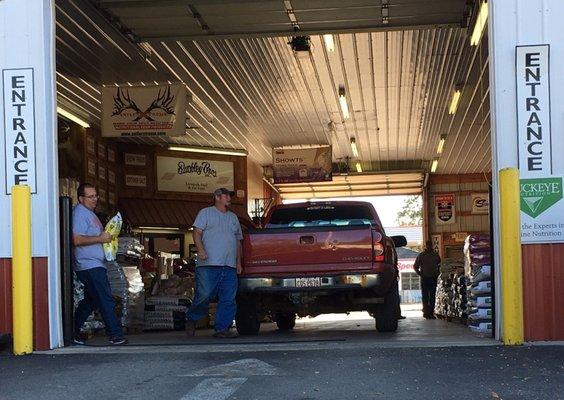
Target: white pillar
(27, 63)
(515, 23)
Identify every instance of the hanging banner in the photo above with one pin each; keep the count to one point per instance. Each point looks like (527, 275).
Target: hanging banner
(144, 111)
(542, 207)
(480, 203)
(186, 175)
(445, 210)
(302, 165)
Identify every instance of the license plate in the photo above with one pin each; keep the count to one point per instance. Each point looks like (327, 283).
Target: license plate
(308, 282)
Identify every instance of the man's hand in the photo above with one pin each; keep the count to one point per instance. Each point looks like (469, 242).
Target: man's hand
(105, 237)
(202, 255)
(239, 268)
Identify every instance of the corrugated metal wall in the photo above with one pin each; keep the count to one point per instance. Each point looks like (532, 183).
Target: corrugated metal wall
(543, 287)
(40, 301)
(462, 186)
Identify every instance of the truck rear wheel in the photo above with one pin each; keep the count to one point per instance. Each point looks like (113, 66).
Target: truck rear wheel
(285, 321)
(247, 319)
(388, 313)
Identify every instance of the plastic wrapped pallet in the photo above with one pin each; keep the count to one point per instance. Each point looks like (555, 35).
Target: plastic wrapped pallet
(478, 315)
(482, 329)
(166, 312)
(481, 288)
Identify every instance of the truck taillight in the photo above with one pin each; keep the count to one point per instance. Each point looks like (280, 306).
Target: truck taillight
(379, 255)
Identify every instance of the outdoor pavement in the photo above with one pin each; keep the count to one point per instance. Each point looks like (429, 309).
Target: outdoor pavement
(327, 357)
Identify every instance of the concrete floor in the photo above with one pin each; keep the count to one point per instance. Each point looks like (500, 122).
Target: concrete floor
(325, 331)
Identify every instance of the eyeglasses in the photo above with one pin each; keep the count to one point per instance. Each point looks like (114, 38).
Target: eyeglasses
(91, 197)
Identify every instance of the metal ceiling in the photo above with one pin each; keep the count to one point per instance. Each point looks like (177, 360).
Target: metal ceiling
(254, 92)
(172, 20)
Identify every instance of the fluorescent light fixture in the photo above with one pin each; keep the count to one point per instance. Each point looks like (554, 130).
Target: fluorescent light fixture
(441, 145)
(329, 43)
(210, 150)
(159, 228)
(454, 102)
(354, 148)
(434, 165)
(480, 24)
(358, 167)
(72, 117)
(343, 102)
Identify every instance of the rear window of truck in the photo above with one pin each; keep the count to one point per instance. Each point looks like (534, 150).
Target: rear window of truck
(321, 215)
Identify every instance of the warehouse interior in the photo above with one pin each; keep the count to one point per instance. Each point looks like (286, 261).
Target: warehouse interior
(398, 88)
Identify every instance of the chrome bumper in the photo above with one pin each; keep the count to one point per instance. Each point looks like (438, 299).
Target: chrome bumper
(358, 281)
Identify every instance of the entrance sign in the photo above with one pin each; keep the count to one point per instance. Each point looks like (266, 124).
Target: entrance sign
(542, 207)
(144, 111)
(302, 165)
(186, 175)
(533, 110)
(19, 128)
(445, 210)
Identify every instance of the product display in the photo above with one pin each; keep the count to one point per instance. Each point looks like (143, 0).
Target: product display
(166, 313)
(477, 253)
(451, 300)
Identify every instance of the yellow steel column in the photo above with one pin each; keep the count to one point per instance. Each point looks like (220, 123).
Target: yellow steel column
(22, 298)
(511, 268)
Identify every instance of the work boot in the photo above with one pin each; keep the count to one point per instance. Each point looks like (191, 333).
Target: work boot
(226, 334)
(190, 327)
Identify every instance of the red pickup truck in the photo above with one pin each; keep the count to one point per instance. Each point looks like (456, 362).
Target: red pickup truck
(318, 258)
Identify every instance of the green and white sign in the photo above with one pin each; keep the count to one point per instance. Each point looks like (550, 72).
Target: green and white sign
(542, 210)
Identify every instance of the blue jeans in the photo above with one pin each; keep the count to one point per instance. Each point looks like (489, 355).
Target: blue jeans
(97, 296)
(211, 282)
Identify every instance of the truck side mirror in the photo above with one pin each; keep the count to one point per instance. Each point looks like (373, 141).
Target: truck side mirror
(399, 241)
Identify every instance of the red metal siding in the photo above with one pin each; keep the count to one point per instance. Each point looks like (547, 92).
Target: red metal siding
(543, 287)
(40, 301)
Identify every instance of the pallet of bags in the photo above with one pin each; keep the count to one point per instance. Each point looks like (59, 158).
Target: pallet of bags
(166, 312)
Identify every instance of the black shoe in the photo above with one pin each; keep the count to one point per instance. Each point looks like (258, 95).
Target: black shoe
(190, 327)
(118, 340)
(402, 317)
(226, 334)
(78, 340)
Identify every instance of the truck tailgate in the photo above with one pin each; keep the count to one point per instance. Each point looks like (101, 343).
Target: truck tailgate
(308, 251)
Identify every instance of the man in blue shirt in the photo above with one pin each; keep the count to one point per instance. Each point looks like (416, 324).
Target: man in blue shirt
(217, 236)
(90, 267)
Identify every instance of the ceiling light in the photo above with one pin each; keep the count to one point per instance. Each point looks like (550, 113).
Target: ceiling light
(210, 150)
(441, 145)
(358, 167)
(329, 43)
(72, 117)
(454, 101)
(434, 165)
(479, 24)
(160, 228)
(343, 102)
(354, 148)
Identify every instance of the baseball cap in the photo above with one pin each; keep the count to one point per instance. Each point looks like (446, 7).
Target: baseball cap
(220, 191)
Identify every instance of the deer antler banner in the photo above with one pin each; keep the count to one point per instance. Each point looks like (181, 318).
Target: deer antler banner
(144, 111)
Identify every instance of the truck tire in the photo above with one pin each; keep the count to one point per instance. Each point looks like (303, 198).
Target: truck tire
(388, 313)
(285, 321)
(247, 319)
